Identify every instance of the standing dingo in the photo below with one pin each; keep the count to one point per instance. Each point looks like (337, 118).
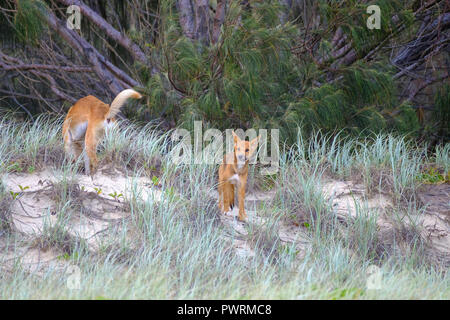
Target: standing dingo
(85, 124)
(234, 172)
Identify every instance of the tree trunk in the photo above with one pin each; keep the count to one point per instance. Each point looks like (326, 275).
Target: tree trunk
(218, 19)
(286, 8)
(186, 18)
(202, 21)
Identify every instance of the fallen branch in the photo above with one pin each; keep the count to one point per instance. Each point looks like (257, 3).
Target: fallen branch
(101, 66)
(35, 71)
(46, 67)
(115, 35)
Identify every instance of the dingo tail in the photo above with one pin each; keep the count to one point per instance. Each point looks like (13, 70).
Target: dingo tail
(120, 100)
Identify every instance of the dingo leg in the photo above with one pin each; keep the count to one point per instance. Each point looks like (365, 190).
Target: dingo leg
(241, 198)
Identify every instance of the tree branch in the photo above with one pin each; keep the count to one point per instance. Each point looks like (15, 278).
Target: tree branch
(115, 35)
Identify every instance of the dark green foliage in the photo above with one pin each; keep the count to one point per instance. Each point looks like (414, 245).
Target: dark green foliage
(406, 120)
(28, 20)
(441, 114)
(354, 17)
(251, 78)
(261, 73)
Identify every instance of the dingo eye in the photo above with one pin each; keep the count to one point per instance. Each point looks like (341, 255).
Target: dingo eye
(246, 150)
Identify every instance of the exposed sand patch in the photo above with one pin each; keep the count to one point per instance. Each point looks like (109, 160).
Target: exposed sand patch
(101, 202)
(102, 205)
(31, 211)
(254, 207)
(243, 248)
(348, 197)
(39, 261)
(436, 221)
(34, 260)
(437, 199)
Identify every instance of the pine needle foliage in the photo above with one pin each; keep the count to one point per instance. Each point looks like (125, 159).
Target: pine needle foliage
(441, 114)
(263, 72)
(252, 77)
(28, 20)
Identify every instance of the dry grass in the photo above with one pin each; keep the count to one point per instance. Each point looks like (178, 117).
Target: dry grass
(180, 246)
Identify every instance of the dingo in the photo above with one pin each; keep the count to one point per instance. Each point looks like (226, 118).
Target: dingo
(85, 124)
(234, 171)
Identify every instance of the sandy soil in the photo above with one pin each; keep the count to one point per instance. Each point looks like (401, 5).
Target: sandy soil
(35, 207)
(434, 224)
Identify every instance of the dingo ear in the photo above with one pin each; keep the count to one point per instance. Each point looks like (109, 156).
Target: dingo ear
(235, 136)
(254, 142)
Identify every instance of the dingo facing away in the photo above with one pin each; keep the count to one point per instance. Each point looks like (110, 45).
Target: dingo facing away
(233, 172)
(85, 124)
